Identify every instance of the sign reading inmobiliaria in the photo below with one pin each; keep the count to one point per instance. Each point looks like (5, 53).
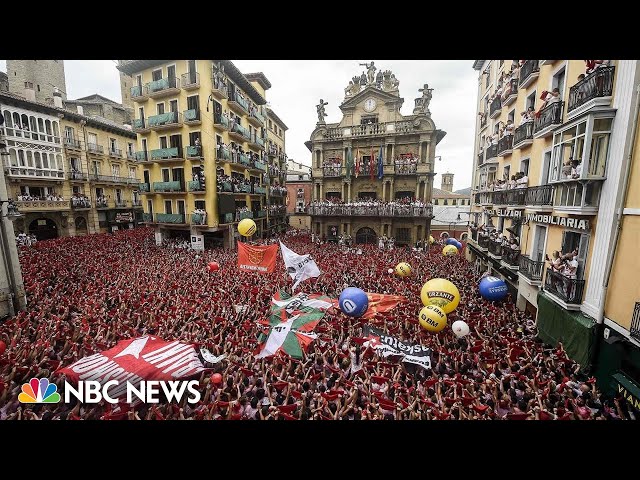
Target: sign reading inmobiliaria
(388, 346)
(126, 369)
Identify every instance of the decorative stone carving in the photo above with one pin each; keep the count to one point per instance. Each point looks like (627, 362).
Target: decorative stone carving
(320, 110)
(422, 103)
(371, 72)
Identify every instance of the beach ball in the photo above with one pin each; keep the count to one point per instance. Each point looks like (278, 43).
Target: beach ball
(458, 245)
(493, 288)
(441, 293)
(449, 250)
(403, 269)
(213, 266)
(450, 241)
(431, 240)
(3, 347)
(247, 227)
(432, 318)
(460, 329)
(353, 302)
(216, 378)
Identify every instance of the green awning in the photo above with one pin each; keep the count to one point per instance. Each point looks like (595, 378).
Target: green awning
(627, 388)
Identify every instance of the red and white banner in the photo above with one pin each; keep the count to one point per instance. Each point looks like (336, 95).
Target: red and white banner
(134, 360)
(257, 258)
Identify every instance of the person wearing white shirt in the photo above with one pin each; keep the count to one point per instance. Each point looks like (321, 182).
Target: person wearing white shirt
(576, 169)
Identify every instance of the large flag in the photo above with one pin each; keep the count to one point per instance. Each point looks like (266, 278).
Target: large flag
(372, 168)
(291, 304)
(388, 346)
(357, 163)
(289, 334)
(378, 303)
(380, 164)
(300, 267)
(257, 258)
(349, 163)
(134, 360)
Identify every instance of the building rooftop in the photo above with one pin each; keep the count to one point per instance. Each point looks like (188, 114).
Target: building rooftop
(439, 193)
(271, 114)
(464, 191)
(260, 78)
(448, 215)
(477, 64)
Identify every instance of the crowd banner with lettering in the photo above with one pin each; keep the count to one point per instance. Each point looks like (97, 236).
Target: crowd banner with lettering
(257, 258)
(388, 346)
(299, 267)
(290, 335)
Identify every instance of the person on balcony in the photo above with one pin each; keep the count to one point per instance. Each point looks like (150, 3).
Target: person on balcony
(549, 98)
(513, 182)
(522, 180)
(509, 128)
(576, 169)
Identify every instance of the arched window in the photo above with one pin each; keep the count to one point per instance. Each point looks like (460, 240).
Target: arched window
(32, 122)
(40, 125)
(45, 161)
(56, 131)
(29, 158)
(38, 160)
(7, 118)
(17, 124)
(24, 120)
(59, 161)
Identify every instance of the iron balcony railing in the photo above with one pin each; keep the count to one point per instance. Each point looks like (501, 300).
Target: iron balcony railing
(166, 153)
(77, 176)
(137, 91)
(332, 171)
(568, 289)
(595, 85)
(243, 215)
(480, 158)
(550, 115)
(198, 218)
(529, 67)
(170, 218)
(221, 120)
(174, 186)
(144, 188)
(522, 133)
(371, 211)
(122, 203)
(260, 190)
(112, 179)
(162, 84)
(93, 148)
(223, 153)
(136, 203)
(484, 241)
(194, 151)
(496, 105)
(139, 124)
(510, 256)
(483, 120)
(404, 169)
(142, 156)
(495, 249)
(540, 195)
(190, 79)
(164, 119)
(241, 130)
(80, 202)
(192, 115)
(530, 268)
(131, 155)
(256, 114)
(240, 101)
(71, 142)
(195, 186)
(492, 152)
(115, 152)
(147, 217)
(505, 144)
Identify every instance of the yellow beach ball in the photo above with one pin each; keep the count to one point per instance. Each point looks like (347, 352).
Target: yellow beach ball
(403, 269)
(247, 227)
(441, 293)
(432, 318)
(449, 250)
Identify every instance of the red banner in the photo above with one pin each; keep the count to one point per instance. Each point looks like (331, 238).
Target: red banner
(257, 258)
(378, 303)
(137, 359)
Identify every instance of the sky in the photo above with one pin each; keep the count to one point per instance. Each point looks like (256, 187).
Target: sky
(297, 86)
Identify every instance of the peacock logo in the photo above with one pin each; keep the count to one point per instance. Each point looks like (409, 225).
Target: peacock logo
(39, 391)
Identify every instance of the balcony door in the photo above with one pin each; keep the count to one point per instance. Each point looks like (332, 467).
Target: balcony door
(92, 139)
(175, 141)
(546, 163)
(539, 239)
(178, 175)
(168, 208)
(193, 102)
(156, 75)
(171, 71)
(573, 240)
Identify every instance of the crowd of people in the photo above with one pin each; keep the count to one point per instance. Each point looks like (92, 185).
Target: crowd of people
(24, 240)
(52, 197)
(235, 184)
(86, 293)
(80, 201)
(371, 206)
(406, 163)
(332, 167)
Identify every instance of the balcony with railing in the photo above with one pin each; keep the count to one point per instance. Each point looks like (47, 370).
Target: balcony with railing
(115, 152)
(97, 178)
(495, 108)
(190, 80)
(196, 186)
(163, 87)
(244, 215)
(260, 166)
(564, 290)
(147, 218)
(140, 125)
(577, 198)
(491, 154)
(483, 242)
(168, 187)
(505, 145)
(481, 158)
(595, 90)
(539, 198)
(239, 133)
(191, 117)
(372, 129)
(529, 72)
(530, 269)
(161, 154)
(256, 142)
(80, 203)
(256, 118)
(95, 149)
(222, 153)
(221, 121)
(131, 155)
(72, 143)
(244, 159)
(371, 211)
(484, 120)
(523, 136)
(405, 169)
(332, 171)
(511, 258)
(172, 218)
(495, 250)
(122, 203)
(165, 121)
(238, 104)
(136, 203)
(260, 190)
(77, 176)
(144, 188)
(41, 205)
(261, 214)
(510, 93)
(194, 151)
(199, 219)
(141, 156)
(550, 117)
(34, 173)
(138, 93)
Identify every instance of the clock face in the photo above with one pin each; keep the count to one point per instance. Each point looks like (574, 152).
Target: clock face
(370, 105)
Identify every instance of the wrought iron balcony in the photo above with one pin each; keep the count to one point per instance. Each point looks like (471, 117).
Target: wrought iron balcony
(147, 218)
(491, 153)
(131, 155)
(511, 257)
(163, 87)
(405, 169)
(371, 211)
(41, 205)
(474, 234)
(261, 214)
(529, 71)
(227, 218)
(122, 204)
(165, 121)
(136, 203)
(221, 121)
(523, 135)
(142, 156)
(481, 158)
(539, 196)
(140, 125)
(495, 249)
(516, 196)
(260, 166)
(173, 153)
(77, 176)
(191, 117)
(190, 80)
(256, 118)
(95, 149)
(260, 190)
(239, 132)
(530, 269)
(115, 152)
(244, 215)
(80, 203)
(597, 84)
(510, 93)
(194, 151)
(177, 218)
(495, 108)
(484, 241)
(72, 143)
(195, 186)
(218, 88)
(569, 290)
(223, 153)
(238, 104)
(97, 178)
(256, 142)
(483, 120)
(498, 197)
(244, 159)
(550, 117)
(505, 145)
(143, 188)
(198, 219)
(174, 186)
(138, 93)
(332, 171)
